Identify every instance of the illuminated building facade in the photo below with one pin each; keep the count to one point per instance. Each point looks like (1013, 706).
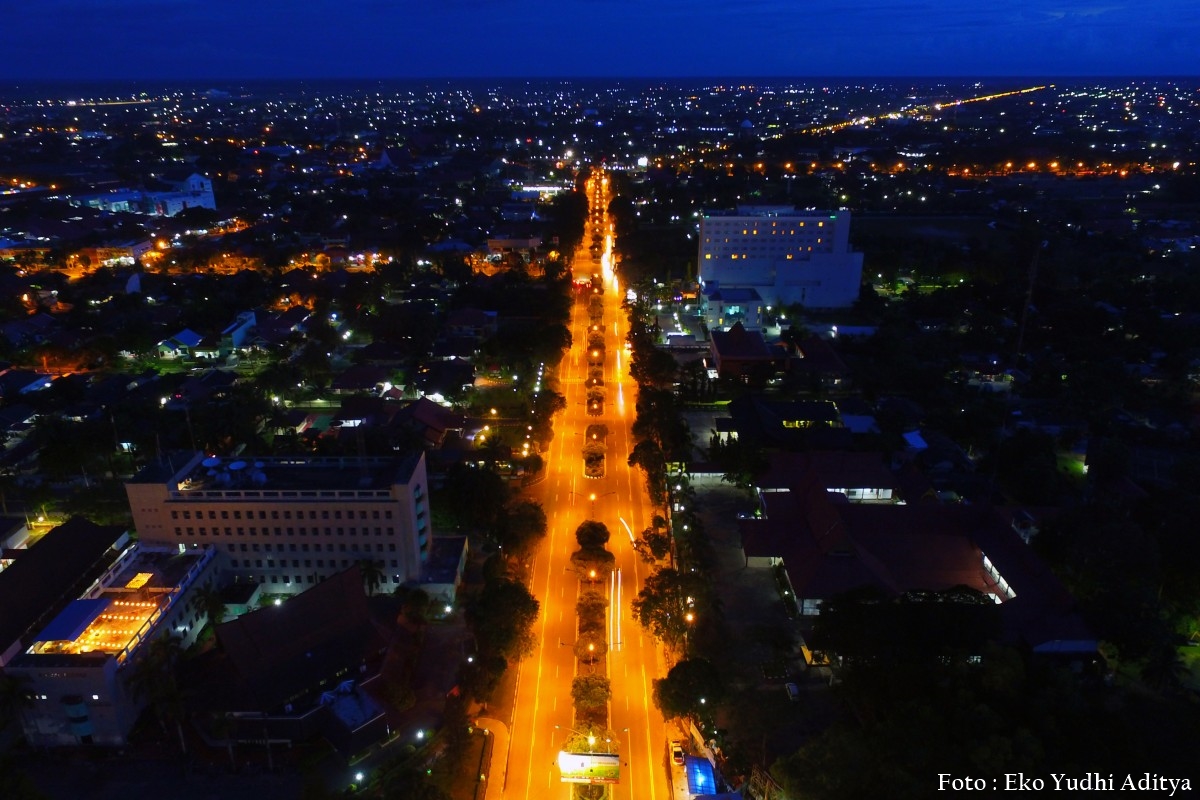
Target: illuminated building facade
(289, 523)
(76, 673)
(783, 255)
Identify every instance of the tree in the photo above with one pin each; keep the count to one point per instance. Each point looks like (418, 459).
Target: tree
(502, 616)
(475, 496)
(590, 647)
(372, 574)
(593, 564)
(662, 606)
(591, 691)
(212, 604)
(520, 527)
(153, 679)
(653, 545)
(649, 456)
(591, 534)
(591, 604)
(691, 687)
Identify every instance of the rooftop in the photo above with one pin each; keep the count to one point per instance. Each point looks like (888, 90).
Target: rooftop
(203, 474)
(43, 577)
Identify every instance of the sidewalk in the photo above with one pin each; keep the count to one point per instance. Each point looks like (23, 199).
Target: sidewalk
(498, 767)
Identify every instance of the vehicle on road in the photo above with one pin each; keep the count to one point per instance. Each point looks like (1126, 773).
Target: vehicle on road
(677, 752)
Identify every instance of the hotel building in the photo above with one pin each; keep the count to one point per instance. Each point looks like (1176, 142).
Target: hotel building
(781, 256)
(289, 523)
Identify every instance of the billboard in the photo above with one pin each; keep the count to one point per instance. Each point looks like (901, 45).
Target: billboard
(589, 767)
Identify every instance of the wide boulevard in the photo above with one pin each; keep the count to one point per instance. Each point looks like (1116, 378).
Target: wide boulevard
(543, 718)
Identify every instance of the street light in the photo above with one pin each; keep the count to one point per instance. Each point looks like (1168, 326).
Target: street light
(590, 735)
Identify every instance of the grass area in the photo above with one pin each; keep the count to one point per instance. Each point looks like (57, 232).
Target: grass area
(460, 778)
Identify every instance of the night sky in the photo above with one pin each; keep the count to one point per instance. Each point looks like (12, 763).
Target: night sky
(181, 39)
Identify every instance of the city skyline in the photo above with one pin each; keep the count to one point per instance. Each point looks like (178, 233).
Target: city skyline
(185, 39)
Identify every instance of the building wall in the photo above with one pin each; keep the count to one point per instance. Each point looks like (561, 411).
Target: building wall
(787, 257)
(290, 539)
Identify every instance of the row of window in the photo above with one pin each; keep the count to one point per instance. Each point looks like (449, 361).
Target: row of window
(288, 580)
(736, 256)
(287, 514)
(733, 225)
(283, 564)
(279, 531)
(267, 547)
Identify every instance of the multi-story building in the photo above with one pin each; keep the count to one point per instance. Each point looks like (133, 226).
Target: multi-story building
(78, 671)
(786, 256)
(289, 523)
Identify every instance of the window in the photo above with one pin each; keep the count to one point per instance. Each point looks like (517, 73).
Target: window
(237, 514)
(224, 515)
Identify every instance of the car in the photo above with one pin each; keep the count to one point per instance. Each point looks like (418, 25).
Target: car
(793, 691)
(677, 752)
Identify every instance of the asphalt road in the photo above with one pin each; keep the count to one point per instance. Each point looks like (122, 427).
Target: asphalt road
(543, 715)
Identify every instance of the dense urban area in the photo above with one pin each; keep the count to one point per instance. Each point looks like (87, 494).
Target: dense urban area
(599, 439)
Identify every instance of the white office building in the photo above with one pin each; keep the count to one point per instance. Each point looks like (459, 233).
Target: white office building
(784, 255)
(289, 523)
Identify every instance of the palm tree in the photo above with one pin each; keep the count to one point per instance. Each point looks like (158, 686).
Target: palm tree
(212, 604)
(153, 678)
(14, 697)
(372, 574)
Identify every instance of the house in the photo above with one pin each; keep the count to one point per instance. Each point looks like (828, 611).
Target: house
(181, 345)
(200, 388)
(819, 363)
(17, 382)
(236, 335)
(30, 330)
(471, 322)
(361, 378)
(743, 355)
(724, 308)
(784, 424)
(859, 477)
(827, 547)
(429, 421)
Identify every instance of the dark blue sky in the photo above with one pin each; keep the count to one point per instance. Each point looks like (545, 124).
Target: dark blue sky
(172, 39)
